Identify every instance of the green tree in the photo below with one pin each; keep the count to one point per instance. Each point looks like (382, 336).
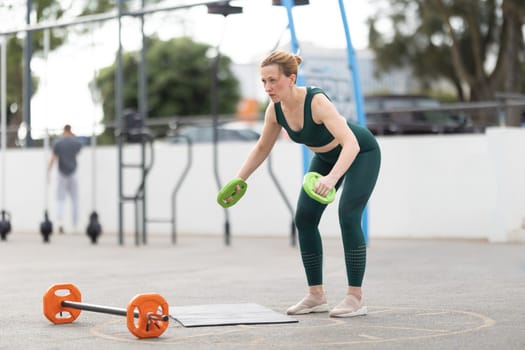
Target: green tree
(478, 46)
(179, 77)
(43, 10)
(14, 79)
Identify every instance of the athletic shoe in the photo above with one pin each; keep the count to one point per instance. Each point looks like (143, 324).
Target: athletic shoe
(310, 303)
(349, 307)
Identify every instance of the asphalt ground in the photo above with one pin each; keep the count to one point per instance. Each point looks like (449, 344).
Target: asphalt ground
(421, 294)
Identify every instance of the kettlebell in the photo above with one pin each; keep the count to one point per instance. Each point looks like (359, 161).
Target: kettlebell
(5, 224)
(94, 229)
(46, 227)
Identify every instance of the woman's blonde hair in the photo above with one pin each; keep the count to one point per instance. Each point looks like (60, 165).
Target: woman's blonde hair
(288, 63)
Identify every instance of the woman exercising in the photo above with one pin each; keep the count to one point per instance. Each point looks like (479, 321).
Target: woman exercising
(342, 151)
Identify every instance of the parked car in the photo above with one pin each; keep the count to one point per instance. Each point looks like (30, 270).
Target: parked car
(412, 114)
(203, 133)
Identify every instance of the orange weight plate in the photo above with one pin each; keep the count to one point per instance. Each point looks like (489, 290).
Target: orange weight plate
(52, 302)
(152, 318)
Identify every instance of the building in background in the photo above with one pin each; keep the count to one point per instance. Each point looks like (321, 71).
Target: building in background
(328, 68)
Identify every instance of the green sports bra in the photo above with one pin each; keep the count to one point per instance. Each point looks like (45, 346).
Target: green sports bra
(312, 134)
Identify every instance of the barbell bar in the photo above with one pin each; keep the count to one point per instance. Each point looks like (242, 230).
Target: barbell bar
(146, 314)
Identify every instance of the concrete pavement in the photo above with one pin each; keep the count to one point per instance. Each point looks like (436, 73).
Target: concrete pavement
(432, 294)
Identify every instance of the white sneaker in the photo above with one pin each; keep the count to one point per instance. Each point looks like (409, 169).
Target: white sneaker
(310, 303)
(349, 307)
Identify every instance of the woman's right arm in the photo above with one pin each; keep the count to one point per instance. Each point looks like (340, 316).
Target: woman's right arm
(264, 145)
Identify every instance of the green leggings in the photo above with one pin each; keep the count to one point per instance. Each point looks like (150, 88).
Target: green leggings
(359, 181)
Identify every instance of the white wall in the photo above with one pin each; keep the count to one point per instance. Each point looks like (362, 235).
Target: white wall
(459, 186)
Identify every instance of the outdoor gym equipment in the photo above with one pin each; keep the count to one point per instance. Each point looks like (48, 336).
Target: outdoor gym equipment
(309, 181)
(46, 226)
(147, 315)
(232, 192)
(5, 224)
(94, 228)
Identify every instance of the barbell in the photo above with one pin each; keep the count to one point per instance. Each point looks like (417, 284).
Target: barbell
(147, 315)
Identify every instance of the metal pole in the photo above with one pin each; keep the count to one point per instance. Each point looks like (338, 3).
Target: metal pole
(93, 142)
(103, 309)
(28, 83)
(215, 115)
(93, 168)
(214, 102)
(358, 96)
(288, 4)
(143, 108)
(46, 131)
(3, 109)
(96, 308)
(352, 65)
(102, 17)
(118, 118)
(46, 147)
(189, 161)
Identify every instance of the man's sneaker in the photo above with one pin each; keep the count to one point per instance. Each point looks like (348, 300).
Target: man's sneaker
(310, 303)
(349, 307)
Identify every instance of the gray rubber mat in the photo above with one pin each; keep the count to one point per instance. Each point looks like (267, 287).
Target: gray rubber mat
(226, 315)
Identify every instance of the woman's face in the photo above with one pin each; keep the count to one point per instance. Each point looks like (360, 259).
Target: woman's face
(276, 84)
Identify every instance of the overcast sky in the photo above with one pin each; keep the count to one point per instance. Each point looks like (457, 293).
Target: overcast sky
(65, 98)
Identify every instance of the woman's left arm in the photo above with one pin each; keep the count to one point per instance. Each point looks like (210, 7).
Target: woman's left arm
(324, 111)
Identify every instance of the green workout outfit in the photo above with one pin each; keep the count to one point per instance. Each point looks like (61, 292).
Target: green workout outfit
(358, 184)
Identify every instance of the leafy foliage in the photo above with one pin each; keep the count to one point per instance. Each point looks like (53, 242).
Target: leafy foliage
(478, 46)
(179, 78)
(44, 10)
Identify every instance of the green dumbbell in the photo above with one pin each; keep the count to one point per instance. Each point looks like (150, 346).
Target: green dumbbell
(232, 192)
(309, 181)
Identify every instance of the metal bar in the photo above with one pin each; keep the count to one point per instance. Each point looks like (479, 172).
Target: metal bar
(358, 96)
(450, 107)
(137, 239)
(101, 18)
(143, 109)
(288, 5)
(3, 109)
(142, 189)
(354, 70)
(46, 144)
(131, 198)
(154, 9)
(129, 165)
(96, 308)
(60, 24)
(283, 196)
(28, 81)
(103, 309)
(118, 118)
(158, 220)
(145, 172)
(189, 161)
(214, 110)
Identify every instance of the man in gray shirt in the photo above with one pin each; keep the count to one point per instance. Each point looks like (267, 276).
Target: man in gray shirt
(65, 149)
